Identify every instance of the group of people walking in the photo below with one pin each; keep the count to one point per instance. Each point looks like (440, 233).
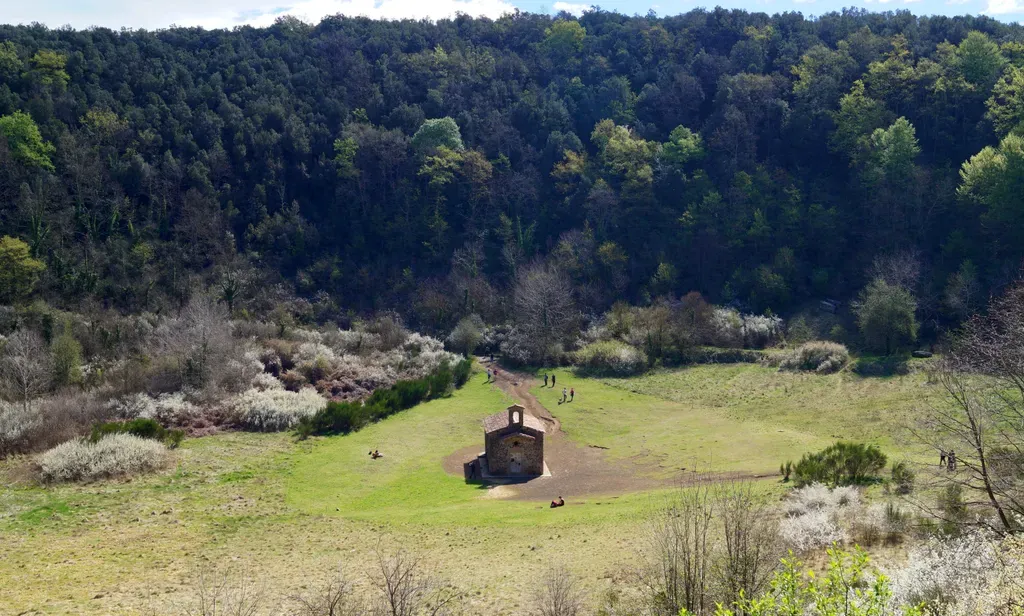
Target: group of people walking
(947, 459)
(567, 394)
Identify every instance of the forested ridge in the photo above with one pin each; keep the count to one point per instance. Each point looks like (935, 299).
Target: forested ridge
(363, 165)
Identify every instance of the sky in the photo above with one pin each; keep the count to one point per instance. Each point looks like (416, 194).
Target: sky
(154, 14)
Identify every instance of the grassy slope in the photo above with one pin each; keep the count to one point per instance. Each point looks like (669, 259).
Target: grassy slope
(738, 417)
(292, 512)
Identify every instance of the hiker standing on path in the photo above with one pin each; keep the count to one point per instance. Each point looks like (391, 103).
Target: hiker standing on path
(572, 393)
(488, 375)
(552, 380)
(545, 380)
(565, 395)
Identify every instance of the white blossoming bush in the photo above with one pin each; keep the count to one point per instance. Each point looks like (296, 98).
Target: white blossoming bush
(611, 357)
(760, 331)
(352, 342)
(132, 406)
(272, 410)
(16, 426)
(112, 456)
(264, 381)
(962, 576)
(820, 356)
(815, 516)
(726, 328)
(173, 410)
(422, 355)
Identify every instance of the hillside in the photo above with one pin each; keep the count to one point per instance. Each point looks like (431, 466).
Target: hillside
(361, 165)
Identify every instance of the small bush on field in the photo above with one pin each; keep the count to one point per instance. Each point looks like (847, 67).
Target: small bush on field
(611, 357)
(884, 366)
(142, 428)
(112, 456)
(902, 477)
(819, 356)
(840, 464)
(272, 410)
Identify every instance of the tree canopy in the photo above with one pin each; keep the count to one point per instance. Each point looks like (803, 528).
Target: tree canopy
(358, 164)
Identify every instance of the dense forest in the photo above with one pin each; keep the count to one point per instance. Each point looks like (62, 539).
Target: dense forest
(358, 165)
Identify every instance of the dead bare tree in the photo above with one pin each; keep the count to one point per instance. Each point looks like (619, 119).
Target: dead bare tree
(224, 594)
(334, 598)
(558, 594)
(678, 568)
(199, 340)
(25, 367)
(750, 548)
(981, 417)
(403, 589)
(545, 308)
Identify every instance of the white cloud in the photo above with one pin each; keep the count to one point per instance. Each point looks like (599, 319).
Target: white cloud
(152, 14)
(574, 8)
(1003, 7)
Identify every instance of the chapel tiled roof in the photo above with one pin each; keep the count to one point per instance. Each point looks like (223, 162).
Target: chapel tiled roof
(499, 421)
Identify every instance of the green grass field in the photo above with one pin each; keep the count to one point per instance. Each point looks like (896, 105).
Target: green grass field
(293, 512)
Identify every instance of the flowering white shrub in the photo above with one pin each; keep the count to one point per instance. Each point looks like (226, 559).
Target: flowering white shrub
(306, 335)
(16, 425)
(961, 576)
(821, 356)
(422, 355)
(355, 342)
(815, 516)
(759, 331)
(272, 410)
(726, 328)
(264, 381)
(112, 456)
(812, 530)
(611, 357)
(174, 409)
(132, 406)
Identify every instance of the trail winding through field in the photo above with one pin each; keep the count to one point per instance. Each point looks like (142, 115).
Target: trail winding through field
(577, 469)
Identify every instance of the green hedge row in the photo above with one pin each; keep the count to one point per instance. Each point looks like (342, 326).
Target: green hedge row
(142, 428)
(345, 417)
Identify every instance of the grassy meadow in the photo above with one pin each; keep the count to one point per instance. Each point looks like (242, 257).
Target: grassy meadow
(291, 513)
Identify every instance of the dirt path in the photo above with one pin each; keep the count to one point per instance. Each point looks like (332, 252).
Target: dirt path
(576, 469)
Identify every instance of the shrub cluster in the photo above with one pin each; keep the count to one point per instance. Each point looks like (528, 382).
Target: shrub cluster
(142, 428)
(272, 410)
(820, 356)
(345, 417)
(841, 464)
(814, 516)
(611, 357)
(112, 456)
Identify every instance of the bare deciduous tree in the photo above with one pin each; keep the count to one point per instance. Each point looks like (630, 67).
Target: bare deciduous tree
(677, 574)
(404, 589)
(708, 544)
(335, 598)
(751, 548)
(558, 594)
(544, 305)
(981, 417)
(199, 340)
(225, 595)
(25, 367)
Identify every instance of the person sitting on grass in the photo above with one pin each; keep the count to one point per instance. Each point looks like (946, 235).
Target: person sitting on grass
(376, 454)
(558, 503)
